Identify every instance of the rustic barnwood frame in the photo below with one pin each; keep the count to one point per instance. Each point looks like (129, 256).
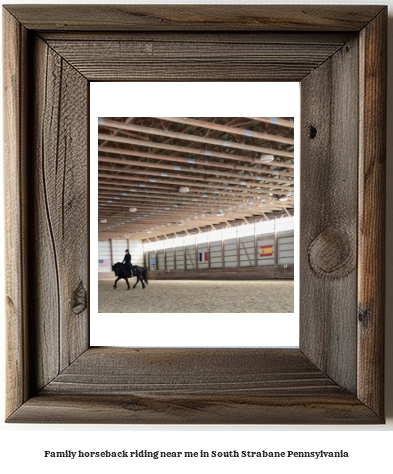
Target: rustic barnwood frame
(51, 53)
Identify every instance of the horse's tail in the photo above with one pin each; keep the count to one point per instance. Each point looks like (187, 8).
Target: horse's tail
(144, 273)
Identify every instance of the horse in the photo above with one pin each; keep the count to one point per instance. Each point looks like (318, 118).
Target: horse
(122, 271)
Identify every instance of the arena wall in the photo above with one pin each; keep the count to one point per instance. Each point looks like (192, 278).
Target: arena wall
(251, 257)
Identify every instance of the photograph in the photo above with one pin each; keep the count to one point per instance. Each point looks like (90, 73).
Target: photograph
(198, 212)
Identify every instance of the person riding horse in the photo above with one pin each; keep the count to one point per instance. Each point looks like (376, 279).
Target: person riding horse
(127, 262)
(122, 272)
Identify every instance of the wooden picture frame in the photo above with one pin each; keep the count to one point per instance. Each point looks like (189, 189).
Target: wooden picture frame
(338, 54)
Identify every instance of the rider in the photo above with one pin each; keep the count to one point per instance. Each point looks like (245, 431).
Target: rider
(127, 261)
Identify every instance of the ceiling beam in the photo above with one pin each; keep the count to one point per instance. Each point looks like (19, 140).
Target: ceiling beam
(207, 155)
(165, 192)
(275, 121)
(197, 161)
(193, 138)
(229, 129)
(180, 179)
(166, 200)
(189, 169)
(193, 151)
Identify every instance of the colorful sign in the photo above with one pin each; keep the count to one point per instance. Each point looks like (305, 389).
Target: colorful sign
(266, 250)
(104, 262)
(203, 257)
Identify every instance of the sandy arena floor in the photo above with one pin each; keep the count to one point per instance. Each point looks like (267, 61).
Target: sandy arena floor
(194, 296)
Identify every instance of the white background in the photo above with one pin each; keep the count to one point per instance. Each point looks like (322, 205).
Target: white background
(174, 99)
(22, 446)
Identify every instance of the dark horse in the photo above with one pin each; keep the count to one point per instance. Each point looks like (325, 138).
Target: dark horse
(122, 271)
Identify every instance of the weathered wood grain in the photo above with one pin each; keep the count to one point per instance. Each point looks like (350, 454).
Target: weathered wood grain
(198, 385)
(200, 37)
(207, 371)
(371, 233)
(195, 17)
(329, 188)
(239, 409)
(45, 286)
(16, 258)
(60, 229)
(189, 60)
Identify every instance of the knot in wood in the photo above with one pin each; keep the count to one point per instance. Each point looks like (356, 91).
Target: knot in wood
(363, 315)
(80, 299)
(313, 132)
(331, 254)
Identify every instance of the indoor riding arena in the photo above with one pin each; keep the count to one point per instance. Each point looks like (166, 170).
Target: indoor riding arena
(203, 208)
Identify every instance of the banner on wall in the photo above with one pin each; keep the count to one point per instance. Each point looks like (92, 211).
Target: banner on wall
(266, 250)
(105, 262)
(203, 257)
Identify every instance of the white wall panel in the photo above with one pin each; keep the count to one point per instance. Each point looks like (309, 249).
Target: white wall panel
(180, 258)
(247, 258)
(249, 239)
(198, 255)
(160, 260)
(104, 256)
(135, 248)
(118, 247)
(247, 251)
(190, 256)
(170, 261)
(230, 249)
(215, 254)
(286, 250)
(230, 253)
(246, 245)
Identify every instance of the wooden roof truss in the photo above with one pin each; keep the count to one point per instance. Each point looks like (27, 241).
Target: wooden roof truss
(144, 161)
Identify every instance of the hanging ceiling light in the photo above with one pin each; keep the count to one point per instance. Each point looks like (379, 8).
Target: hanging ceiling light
(266, 158)
(283, 199)
(103, 221)
(184, 189)
(132, 209)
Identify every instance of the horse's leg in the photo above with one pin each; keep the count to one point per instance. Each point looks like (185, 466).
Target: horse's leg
(144, 276)
(140, 279)
(115, 285)
(137, 280)
(128, 285)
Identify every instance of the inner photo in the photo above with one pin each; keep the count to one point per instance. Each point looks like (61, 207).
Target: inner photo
(196, 215)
